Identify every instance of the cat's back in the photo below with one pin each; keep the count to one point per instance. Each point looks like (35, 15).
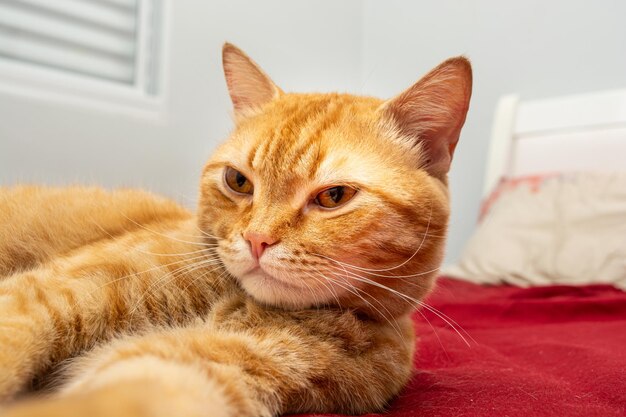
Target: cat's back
(38, 223)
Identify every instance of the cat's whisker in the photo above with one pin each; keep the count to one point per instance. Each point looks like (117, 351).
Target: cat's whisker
(131, 247)
(219, 279)
(163, 280)
(338, 282)
(326, 285)
(328, 278)
(125, 230)
(166, 236)
(313, 293)
(344, 264)
(205, 233)
(412, 256)
(425, 234)
(149, 270)
(206, 283)
(410, 300)
(445, 318)
(160, 282)
(433, 329)
(194, 266)
(182, 268)
(453, 325)
(204, 250)
(356, 291)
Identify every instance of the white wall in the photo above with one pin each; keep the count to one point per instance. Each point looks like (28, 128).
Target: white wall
(535, 48)
(304, 45)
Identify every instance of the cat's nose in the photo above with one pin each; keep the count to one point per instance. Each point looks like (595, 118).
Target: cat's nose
(258, 243)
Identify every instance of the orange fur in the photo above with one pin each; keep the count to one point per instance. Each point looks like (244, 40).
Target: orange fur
(165, 313)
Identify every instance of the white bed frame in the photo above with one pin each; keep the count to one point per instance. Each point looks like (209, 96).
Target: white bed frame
(585, 132)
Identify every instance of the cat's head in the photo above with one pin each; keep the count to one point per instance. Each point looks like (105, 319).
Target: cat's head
(320, 199)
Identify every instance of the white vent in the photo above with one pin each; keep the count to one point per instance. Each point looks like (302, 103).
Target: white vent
(111, 40)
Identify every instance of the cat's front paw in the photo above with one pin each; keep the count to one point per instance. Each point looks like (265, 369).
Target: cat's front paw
(145, 386)
(120, 401)
(13, 377)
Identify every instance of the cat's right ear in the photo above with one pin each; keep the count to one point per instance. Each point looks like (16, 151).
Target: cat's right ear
(432, 112)
(249, 87)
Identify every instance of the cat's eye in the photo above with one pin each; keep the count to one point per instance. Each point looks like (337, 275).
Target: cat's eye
(334, 197)
(237, 182)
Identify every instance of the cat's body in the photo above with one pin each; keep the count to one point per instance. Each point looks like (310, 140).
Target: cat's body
(136, 282)
(319, 227)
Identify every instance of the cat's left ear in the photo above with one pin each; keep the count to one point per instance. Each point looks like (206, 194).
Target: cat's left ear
(432, 112)
(249, 87)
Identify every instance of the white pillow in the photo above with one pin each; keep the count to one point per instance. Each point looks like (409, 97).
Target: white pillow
(567, 229)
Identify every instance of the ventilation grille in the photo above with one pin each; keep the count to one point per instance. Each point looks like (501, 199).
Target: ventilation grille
(105, 39)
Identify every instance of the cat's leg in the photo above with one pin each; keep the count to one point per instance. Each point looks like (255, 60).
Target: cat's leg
(54, 312)
(47, 316)
(138, 387)
(202, 371)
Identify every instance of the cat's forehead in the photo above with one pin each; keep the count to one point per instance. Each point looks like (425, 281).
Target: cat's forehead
(308, 138)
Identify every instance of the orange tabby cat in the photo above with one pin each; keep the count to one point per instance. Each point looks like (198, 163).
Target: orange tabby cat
(320, 227)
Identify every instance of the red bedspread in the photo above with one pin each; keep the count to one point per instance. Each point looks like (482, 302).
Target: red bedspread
(548, 351)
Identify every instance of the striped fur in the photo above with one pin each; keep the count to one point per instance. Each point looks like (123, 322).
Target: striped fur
(126, 304)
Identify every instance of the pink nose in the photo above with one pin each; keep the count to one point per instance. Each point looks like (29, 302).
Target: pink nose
(258, 243)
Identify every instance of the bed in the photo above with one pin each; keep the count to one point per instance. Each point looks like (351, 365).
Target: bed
(541, 332)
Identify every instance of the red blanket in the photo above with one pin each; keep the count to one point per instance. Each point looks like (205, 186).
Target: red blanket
(547, 351)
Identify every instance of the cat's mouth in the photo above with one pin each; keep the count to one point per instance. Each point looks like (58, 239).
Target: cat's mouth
(266, 278)
(272, 282)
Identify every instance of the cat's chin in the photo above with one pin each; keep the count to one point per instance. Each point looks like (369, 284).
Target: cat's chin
(270, 290)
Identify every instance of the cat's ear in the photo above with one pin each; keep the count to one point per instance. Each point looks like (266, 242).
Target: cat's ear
(432, 112)
(249, 87)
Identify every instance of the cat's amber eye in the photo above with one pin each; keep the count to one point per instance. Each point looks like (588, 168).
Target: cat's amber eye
(237, 182)
(335, 196)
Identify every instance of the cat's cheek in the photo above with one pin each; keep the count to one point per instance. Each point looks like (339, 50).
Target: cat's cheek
(236, 269)
(236, 258)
